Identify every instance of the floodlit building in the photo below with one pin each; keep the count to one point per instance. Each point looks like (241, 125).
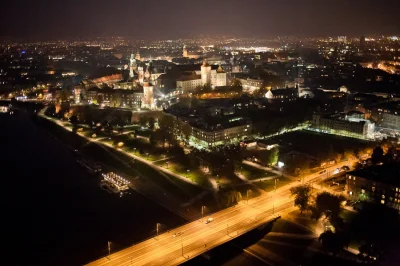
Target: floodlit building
(282, 94)
(233, 130)
(218, 77)
(188, 82)
(387, 115)
(379, 183)
(205, 73)
(148, 95)
(251, 85)
(339, 124)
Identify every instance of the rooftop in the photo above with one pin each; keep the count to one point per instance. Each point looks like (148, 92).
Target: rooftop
(387, 173)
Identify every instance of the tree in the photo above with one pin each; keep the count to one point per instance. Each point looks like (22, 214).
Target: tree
(357, 166)
(302, 197)
(166, 122)
(186, 131)
(329, 205)
(152, 122)
(143, 120)
(74, 121)
(377, 155)
(100, 99)
(116, 99)
(236, 85)
(347, 155)
(331, 242)
(338, 157)
(64, 95)
(274, 156)
(193, 160)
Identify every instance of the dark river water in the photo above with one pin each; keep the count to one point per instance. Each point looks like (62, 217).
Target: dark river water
(55, 213)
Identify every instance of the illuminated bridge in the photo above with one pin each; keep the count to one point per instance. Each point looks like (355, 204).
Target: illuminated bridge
(198, 237)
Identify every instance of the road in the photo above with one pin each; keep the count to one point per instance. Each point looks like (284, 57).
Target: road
(197, 237)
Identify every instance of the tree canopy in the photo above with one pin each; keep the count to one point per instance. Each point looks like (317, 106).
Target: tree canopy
(302, 196)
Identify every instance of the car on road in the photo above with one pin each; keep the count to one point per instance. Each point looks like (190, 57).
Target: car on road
(322, 172)
(209, 220)
(345, 168)
(177, 234)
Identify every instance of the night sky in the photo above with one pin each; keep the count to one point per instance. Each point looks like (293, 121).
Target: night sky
(156, 19)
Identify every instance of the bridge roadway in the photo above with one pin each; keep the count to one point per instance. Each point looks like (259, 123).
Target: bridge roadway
(197, 237)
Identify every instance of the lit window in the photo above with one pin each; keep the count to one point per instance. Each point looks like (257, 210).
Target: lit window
(382, 201)
(351, 193)
(383, 196)
(362, 191)
(349, 176)
(354, 178)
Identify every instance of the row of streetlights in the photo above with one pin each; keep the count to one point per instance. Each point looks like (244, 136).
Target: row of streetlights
(202, 216)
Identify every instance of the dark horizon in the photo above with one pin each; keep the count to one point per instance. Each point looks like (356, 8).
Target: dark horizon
(157, 19)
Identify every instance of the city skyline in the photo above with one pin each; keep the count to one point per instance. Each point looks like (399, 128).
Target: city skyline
(157, 19)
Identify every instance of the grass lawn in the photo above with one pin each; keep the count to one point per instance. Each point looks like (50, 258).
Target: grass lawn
(252, 173)
(269, 185)
(194, 175)
(119, 161)
(311, 142)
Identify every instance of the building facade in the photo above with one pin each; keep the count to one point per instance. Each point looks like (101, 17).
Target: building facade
(221, 136)
(218, 77)
(380, 184)
(340, 125)
(251, 85)
(187, 83)
(205, 73)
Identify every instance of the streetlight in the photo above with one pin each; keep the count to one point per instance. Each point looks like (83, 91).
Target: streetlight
(109, 247)
(134, 150)
(182, 242)
(247, 195)
(187, 172)
(275, 184)
(167, 164)
(273, 202)
(202, 212)
(157, 228)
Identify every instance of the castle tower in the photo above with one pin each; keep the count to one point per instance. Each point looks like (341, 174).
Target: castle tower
(205, 73)
(132, 66)
(147, 75)
(141, 74)
(148, 95)
(220, 77)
